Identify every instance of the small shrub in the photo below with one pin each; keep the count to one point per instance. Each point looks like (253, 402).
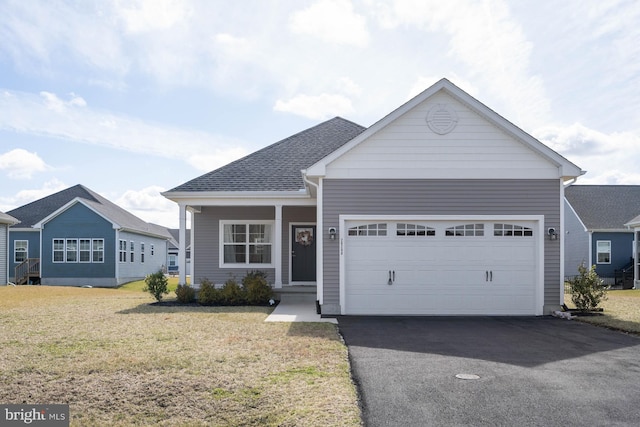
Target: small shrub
(157, 285)
(587, 289)
(208, 294)
(185, 294)
(257, 289)
(232, 293)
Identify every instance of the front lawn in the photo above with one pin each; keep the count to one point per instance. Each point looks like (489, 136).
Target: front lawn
(621, 311)
(119, 361)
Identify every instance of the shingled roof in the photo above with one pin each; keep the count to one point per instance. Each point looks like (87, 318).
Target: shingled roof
(604, 207)
(34, 212)
(277, 167)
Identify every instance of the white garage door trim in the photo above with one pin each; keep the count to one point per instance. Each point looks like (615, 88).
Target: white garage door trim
(539, 243)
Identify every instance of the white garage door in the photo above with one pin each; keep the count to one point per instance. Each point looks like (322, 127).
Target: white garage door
(441, 267)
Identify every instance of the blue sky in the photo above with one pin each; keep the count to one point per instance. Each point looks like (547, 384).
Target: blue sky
(131, 98)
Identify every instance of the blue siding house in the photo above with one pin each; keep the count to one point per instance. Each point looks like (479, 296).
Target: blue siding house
(596, 230)
(78, 238)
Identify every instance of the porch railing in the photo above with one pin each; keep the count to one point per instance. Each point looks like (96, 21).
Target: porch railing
(27, 270)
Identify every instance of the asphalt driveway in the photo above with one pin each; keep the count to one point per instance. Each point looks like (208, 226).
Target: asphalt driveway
(531, 372)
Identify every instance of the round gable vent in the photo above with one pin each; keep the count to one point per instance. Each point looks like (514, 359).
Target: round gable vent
(442, 119)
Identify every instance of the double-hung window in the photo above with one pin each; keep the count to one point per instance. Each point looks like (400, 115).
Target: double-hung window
(246, 243)
(78, 250)
(97, 248)
(603, 249)
(122, 250)
(85, 250)
(20, 250)
(72, 250)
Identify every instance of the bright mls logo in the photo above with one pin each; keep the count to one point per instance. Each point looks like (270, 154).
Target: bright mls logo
(35, 415)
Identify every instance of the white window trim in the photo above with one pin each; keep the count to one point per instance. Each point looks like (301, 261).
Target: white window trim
(77, 239)
(15, 252)
(90, 252)
(245, 265)
(122, 250)
(598, 252)
(93, 261)
(64, 250)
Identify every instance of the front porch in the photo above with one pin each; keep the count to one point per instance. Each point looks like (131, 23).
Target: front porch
(230, 241)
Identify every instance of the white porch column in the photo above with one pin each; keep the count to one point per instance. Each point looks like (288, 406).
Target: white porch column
(182, 246)
(277, 247)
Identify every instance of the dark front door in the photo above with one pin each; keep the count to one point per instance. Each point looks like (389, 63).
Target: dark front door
(303, 253)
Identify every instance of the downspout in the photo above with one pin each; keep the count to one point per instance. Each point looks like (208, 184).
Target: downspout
(319, 242)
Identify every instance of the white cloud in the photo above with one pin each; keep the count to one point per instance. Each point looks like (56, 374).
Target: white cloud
(149, 205)
(607, 158)
(141, 16)
(318, 107)
(488, 41)
(27, 196)
(332, 21)
(56, 104)
(74, 121)
(22, 164)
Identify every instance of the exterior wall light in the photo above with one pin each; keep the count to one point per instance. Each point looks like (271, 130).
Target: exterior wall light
(553, 234)
(332, 233)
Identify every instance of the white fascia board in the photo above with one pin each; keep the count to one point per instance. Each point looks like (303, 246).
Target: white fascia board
(634, 223)
(69, 204)
(611, 230)
(242, 198)
(21, 229)
(566, 169)
(142, 233)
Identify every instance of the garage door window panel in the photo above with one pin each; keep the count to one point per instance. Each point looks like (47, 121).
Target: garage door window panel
(377, 229)
(465, 230)
(511, 230)
(418, 230)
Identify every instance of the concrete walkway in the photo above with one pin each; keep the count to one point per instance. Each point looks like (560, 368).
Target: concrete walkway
(297, 308)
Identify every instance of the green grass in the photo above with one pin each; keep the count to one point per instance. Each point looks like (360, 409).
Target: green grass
(621, 311)
(119, 361)
(139, 285)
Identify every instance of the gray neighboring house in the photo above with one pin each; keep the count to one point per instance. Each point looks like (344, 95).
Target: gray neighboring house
(442, 207)
(5, 222)
(596, 230)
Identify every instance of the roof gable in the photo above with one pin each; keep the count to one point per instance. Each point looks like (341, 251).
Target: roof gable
(36, 213)
(604, 207)
(417, 115)
(278, 166)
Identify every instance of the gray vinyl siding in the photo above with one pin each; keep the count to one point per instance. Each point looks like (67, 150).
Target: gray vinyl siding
(206, 243)
(293, 214)
(441, 197)
(576, 242)
(4, 254)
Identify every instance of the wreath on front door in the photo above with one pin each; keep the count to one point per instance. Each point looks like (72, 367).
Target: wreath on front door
(304, 237)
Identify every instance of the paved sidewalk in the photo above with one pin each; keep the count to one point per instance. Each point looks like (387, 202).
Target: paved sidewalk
(297, 308)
